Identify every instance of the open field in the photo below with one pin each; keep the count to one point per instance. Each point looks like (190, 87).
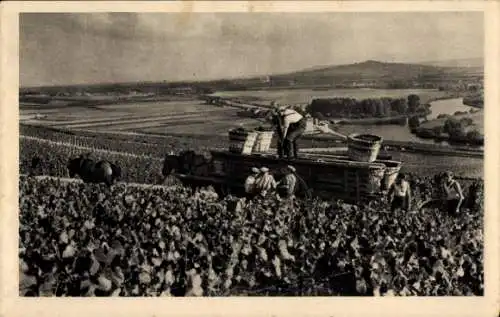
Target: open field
(185, 117)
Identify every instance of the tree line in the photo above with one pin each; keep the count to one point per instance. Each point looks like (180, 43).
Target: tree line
(344, 107)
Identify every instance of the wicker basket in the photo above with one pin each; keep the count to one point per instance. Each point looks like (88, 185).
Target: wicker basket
(363, 147)
(376, 177)
(391, 173)
(263, 141)
(241, 142)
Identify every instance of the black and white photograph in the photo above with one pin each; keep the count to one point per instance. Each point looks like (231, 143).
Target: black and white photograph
(252, 154)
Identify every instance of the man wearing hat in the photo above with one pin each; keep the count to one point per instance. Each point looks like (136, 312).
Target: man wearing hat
(292, 126)
(250, 183)
(287, 186)
(265, 182)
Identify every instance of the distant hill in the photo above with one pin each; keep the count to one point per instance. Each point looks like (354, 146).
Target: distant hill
(365, 74)
(463, 62)
(375, 70)
(369, 73)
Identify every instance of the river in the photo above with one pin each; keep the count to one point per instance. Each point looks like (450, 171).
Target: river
(421, 163)
(402, 132)
(447, 106)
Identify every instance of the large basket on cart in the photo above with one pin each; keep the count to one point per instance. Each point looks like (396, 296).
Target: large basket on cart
(363, 147)
(241, 141)
(391, 173)
(263, 141)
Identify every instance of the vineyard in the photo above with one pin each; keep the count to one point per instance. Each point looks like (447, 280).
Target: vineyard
(84, 240)
(157, 146)
(137, 240)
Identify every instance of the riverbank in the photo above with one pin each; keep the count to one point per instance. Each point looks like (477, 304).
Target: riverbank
(401, 119)
(468, 128)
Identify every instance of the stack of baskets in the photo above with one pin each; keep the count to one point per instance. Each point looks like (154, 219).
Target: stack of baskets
(363, 147)
(263, 141)
(241, 141)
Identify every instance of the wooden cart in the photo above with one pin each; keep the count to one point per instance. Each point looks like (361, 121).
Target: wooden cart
(328, 176)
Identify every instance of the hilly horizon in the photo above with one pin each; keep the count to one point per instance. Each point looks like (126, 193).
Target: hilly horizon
(462, 62)
(366, 71)
(377, 69)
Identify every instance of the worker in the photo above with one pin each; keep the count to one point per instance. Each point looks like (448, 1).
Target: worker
(292, 125)
(250, 183)
(276, 121)
(399, 194)
(288, 185)
(452, 193)
(265, 182)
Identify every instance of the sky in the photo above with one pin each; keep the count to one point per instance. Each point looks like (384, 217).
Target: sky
(87, 48)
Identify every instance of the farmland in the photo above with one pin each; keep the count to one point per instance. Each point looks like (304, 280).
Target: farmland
(190, 117)
(186, 117)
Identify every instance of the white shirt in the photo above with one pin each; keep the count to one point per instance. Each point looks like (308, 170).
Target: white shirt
(401, 190)
(250, 184)
(265, 182)
(290, 116)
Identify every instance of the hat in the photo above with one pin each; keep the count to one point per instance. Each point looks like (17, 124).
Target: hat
(255, 170)
(264, 169)
(282, 107)
(291, 168)
(277, 106)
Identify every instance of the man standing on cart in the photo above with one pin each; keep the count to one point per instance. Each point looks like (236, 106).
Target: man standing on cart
(290, 125)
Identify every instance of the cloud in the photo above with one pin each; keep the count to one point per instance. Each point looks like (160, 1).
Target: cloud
(69, 48)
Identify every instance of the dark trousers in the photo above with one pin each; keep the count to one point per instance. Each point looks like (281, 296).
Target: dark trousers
(451, 206)
(399, 203)
(295, 131)
(279, 144)
(284, 192)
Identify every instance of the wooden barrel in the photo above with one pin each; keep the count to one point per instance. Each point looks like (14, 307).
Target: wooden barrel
(363, 147)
